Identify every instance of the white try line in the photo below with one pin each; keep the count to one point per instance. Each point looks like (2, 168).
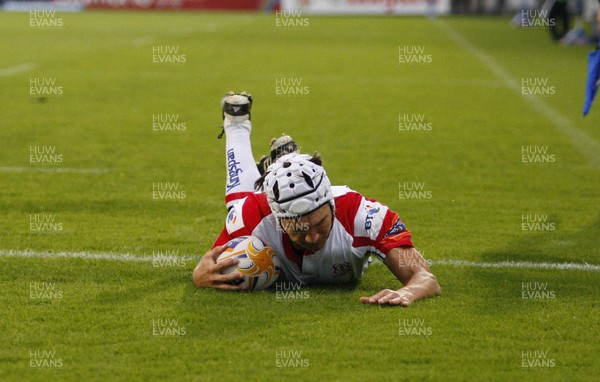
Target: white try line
(127, 257)
(17, 69)
(580, 139)
(55, 170)
(518, 264)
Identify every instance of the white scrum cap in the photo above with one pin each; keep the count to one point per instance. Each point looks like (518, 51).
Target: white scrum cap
(295, 186)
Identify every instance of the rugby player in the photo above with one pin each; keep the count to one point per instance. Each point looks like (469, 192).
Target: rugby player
(322, 234)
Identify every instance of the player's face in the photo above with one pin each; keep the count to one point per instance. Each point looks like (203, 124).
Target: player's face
(310, 231)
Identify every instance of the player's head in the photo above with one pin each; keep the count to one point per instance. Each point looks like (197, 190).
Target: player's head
(300, 196)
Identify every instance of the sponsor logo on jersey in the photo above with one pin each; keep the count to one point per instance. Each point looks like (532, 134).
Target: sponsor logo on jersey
(235, 219)
(371, 210)
(341, 269)
(232, 216)
(398, 227)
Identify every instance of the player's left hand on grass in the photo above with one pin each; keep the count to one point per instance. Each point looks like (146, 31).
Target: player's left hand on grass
(208, 271)
(400, 297)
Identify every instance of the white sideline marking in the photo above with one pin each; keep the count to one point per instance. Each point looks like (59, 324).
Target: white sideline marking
(144, 259)
(17, 69)
(55, 170)
(89, 256)
(584, 142)
(142, 41)
(518, 264)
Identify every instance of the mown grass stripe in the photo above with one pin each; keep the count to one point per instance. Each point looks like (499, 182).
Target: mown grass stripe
(17, 69)
(444, 262)
(55, 170)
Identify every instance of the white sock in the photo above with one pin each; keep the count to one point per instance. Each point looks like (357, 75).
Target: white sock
(241, 167)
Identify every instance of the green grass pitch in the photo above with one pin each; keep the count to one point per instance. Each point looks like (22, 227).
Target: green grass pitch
(481, 201)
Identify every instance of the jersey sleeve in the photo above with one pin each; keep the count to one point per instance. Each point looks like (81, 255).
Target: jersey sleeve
(381, 226)
(243, 216)
(393, 233)
(373, 225)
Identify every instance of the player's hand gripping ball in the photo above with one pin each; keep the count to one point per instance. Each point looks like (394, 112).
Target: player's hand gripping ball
(257, 262)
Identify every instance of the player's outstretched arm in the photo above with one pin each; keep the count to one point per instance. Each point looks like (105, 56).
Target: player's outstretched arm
(411, 269)
(207, 273)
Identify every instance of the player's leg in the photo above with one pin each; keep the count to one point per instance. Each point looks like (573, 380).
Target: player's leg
(241, 167)
(279, 147)
(242, 171)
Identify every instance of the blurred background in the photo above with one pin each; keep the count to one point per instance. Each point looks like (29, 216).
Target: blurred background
(572, 22)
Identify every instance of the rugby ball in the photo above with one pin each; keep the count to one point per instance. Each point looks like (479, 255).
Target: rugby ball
(257, 262)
